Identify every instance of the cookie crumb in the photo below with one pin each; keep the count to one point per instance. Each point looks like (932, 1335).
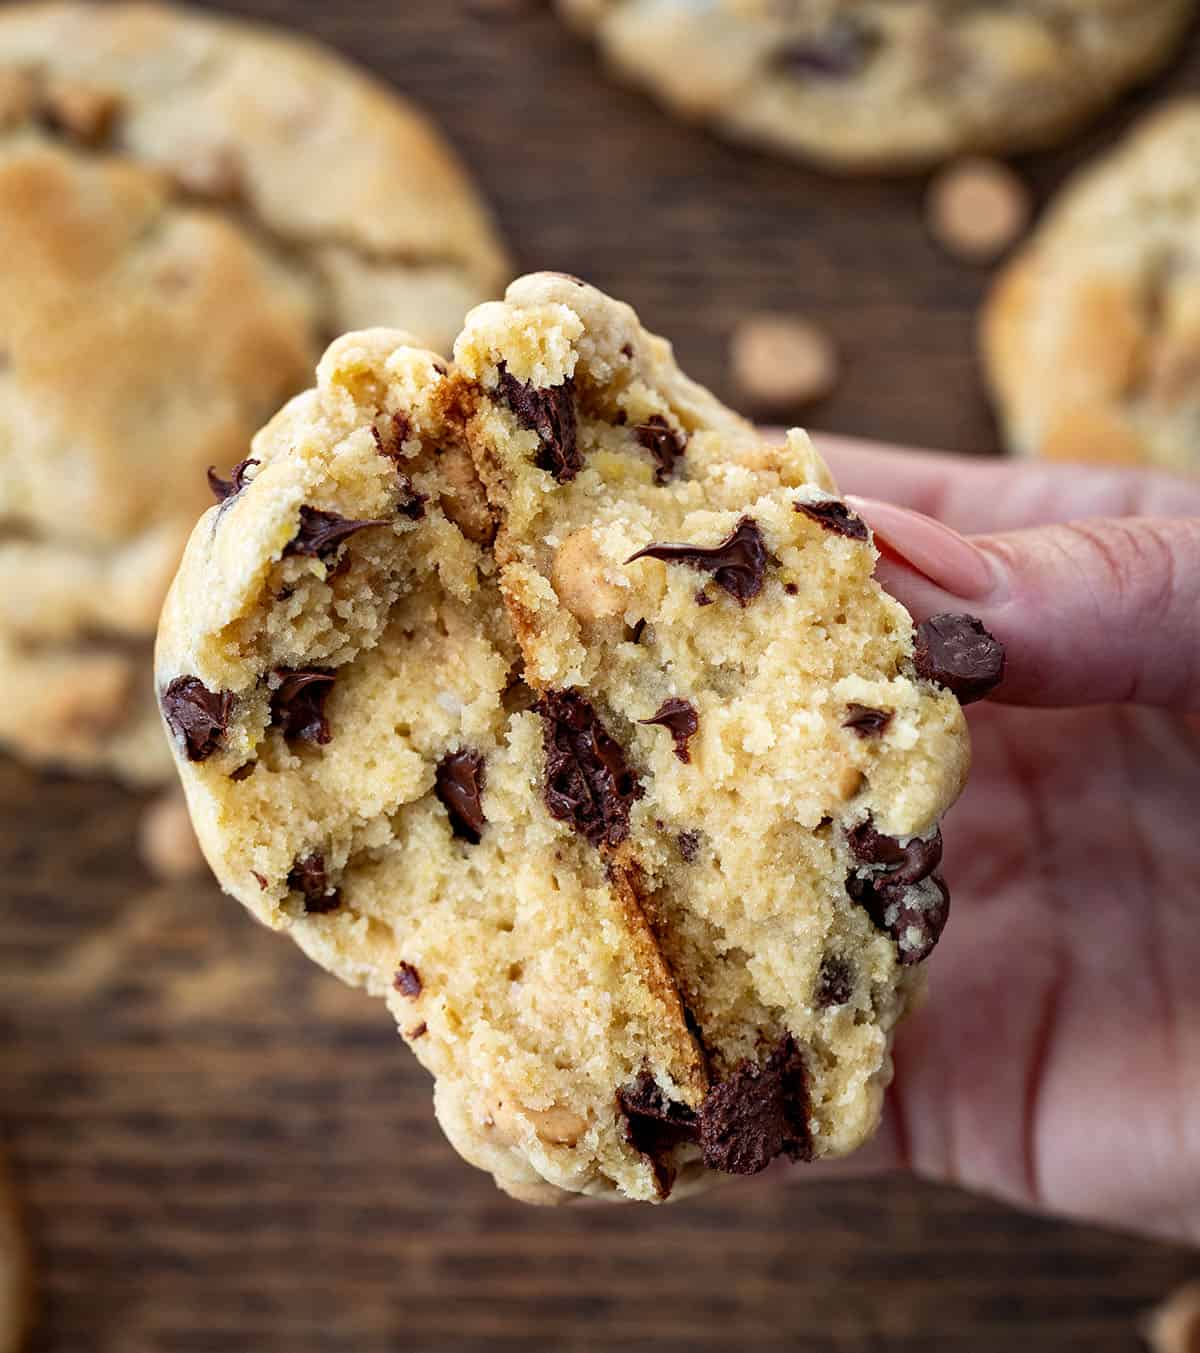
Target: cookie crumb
(782, 361)
(1174, 1326)
(166, 842)
(977, 208)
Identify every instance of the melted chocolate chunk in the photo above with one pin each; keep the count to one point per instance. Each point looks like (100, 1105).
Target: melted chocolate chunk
(907, 899)
(737, 564)
(459, 785)
(307, 877)
(689, 846)
(407, 981)
(549, 412)
(664, 444)
(840, 51)
(958, 653)
(224, 489)
(198, 716)
(758, 1113)
(905, 864)
(588, 782)
(835, 982)
(298, 702)
(655, 1126)
(835, 517)
(867, 722)
(321, 533)
(680, 719)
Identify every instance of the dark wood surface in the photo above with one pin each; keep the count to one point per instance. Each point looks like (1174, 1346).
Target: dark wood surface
(222, 1149)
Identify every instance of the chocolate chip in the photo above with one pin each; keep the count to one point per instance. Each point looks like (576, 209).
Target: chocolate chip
(655, 1126)
(835, 982)
(905, 863)
(689, 846)
(307, 877)
(835, 517)
(550, 412)
(588, 782)
(320, 533)
(411, 502)
(679, 717)
(420, 1031)
(407, 981)
(839, 52)
(260, 879)
(907, 900)
(298, 702)
(627, 350)
(737, 563)
(958, 653)
(459, 784)
(867, 722)
(197, 715)
(664, 444)
(244, 771)
(791, 589)
(223, 489)
(703, 599)
(635, 635)
(758, 1113)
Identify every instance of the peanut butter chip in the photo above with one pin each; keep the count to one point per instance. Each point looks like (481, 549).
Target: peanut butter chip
(781, 361)
(166, 841)
(1174, 1327)
(977, 208)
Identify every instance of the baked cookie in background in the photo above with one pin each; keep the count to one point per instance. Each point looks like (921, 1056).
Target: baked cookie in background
(1091, 335)
(885, 85)
(190, 208)
(610, 768)
(16, 1279)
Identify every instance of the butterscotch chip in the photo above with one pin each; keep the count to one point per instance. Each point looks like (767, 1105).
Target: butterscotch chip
(1174, 1327)
(782, 361)
(166, 841)
(977, 208)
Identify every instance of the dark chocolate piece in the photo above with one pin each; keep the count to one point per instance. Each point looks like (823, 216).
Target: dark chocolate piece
(905, 864)
(459, 784)
(550, 412)
(689, 846)
(664, 444)
(298, 702)
(198, 716)
(840, 51)
(835, 517)
(407, 981)
(321, 533)
(703, 599)
(244, 771)
(867, 722)
(655, 1126)
(588, 782)
(835, 982)
(906, 898)
(958, 653)
(680, 719)
(308, 877)
(737, 564)
(224, 489)
(758, 1113)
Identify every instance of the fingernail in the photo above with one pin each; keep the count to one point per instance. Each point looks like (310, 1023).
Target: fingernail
(932, 549)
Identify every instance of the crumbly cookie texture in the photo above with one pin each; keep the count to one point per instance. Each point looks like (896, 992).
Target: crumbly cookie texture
(189, 209)
(1091, 336)
(867, 85)
(16, 1286)
(610, 768)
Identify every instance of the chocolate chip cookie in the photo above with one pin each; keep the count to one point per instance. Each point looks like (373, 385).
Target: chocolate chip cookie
(189, 209)
(858, 85)
(539, 696)
(1091, 336)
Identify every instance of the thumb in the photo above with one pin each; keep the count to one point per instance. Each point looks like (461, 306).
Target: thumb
(1089, 612)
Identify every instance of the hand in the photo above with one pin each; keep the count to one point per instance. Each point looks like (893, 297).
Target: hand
(1057, 1060)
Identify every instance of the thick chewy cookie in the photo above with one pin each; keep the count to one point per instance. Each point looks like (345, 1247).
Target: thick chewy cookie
(190, 208)
(885, 84)
(616, 774)
(1091, 337)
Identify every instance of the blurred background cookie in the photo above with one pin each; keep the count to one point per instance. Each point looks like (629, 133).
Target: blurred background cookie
(189, 209)
(870, 85)
(1091, 337)
(16, 1288)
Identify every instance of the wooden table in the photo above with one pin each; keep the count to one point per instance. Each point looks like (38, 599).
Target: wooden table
(222, 1149)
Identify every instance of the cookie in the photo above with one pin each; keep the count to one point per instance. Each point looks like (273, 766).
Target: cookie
(1091, 336)
(189, 209)
(539, 696)
(879, 85)
(16, 1291)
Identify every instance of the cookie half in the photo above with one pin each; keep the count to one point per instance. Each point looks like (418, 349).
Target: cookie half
(1091, 336)
(641, 851)
(868, 85)
(189, 209)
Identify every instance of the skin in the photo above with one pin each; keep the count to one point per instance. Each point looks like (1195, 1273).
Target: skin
(1057, 1061)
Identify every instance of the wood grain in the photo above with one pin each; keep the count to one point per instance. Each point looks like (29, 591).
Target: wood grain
(222, 1149)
